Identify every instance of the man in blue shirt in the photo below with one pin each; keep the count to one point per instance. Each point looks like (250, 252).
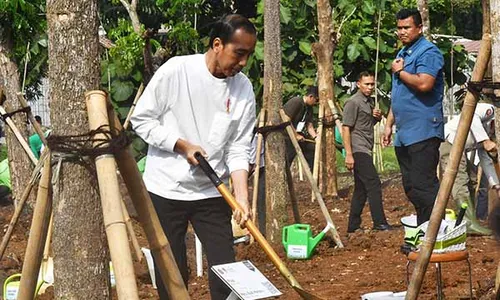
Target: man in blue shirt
(417, 98)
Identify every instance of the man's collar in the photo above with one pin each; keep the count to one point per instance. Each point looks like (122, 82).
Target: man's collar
(409, 49)
(365, 98)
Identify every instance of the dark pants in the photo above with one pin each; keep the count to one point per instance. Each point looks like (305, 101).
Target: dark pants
(211, 220)
(307, 149)
(366, 187)
(418, 163)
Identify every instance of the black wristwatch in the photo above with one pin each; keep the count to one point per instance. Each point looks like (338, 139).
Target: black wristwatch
(397, 73)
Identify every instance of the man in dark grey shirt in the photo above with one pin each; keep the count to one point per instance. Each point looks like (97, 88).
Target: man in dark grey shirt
(300, 111)
(360, 117)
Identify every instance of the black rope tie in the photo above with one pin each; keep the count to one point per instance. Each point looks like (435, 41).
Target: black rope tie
(88, 144)
(476, 87)
(264, 130)
(21, 110)
(329, 120)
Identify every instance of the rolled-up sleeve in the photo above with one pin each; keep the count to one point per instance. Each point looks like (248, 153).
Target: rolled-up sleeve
(149, 114)
(238, 146)
(430, 62)
(477, 129)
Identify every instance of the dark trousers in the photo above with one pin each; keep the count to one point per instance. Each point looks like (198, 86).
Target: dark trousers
(418, 163)
(211, 220)
(307, 149)
(366, 187)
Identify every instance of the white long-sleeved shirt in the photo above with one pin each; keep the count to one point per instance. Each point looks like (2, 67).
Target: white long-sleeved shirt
(184, 100)
(482, 127)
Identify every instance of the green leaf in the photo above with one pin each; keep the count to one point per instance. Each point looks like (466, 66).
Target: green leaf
(259, 50)
(352, 52)
(285, 14)
(370, 42)
(307, 81)
(305, 47)
(121, 91)
(368, 7)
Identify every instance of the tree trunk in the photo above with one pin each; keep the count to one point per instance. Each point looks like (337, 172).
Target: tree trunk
(324, 56)
(423, 8)
(495, 67)
(19, 163)
(79, 244)
(276, 191)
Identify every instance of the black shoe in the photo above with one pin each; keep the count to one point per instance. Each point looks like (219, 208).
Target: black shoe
(407, 248)
(383, 227)
(353, 230)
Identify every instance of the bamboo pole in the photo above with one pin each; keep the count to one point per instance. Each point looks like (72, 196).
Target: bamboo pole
(34, 123)
(317, 149)
(46, 249)
(450, 172)
(314, 185)
(38, 235)
(109, 190)
(126, 124)
(19, 136)
(158, 242)
(17, 212)
(131, 233)
(256, 174)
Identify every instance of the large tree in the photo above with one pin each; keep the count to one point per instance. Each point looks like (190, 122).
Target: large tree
(276, 191)
(324, 55)
(17, 21)
(79, 244)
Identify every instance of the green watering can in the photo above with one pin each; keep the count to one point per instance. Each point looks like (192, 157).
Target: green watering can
(299, 242)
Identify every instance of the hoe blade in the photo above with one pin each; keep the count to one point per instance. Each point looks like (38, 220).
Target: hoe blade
(305, 294)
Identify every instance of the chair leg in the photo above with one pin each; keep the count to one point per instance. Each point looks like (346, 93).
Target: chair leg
(407, 273)
(439, 282)
(470, 278)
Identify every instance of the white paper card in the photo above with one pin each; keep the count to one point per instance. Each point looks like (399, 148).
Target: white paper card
(300, 126)
(297, 251)
(245, 280)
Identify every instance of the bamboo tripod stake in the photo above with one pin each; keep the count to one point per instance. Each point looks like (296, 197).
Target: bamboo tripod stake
(317, 149)
(160, 247)
(33, 122)
(116, 231)
(38, 235)
(19, 136)
(129, 115)
(314, 185)
(450, 172)
(15, 217)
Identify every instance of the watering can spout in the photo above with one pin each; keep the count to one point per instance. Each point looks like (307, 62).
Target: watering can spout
(315, 240)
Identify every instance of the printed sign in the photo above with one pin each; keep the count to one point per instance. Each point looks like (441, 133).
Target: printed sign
(245, 280)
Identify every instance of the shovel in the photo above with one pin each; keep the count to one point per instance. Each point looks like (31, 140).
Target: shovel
(226, 194)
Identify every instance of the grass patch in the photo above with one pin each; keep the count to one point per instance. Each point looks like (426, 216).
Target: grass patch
(388, 156)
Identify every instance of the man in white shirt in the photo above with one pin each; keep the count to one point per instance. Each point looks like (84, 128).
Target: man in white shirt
(200, 103)
(481, 131)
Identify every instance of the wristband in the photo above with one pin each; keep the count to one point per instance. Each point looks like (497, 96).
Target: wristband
(398, 72)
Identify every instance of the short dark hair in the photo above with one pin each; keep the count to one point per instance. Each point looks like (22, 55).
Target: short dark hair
(365, 74)
(405, 13)
(227, 25)
(38, 119)
(312, 91)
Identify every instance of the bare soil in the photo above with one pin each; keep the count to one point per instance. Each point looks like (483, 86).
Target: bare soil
(371, 260)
